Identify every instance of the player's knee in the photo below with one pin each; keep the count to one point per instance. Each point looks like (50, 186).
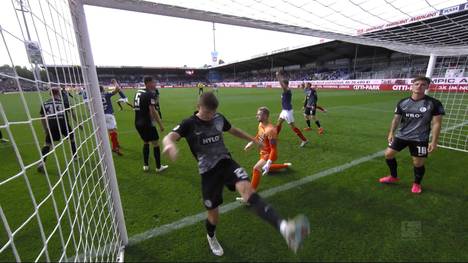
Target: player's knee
(389, 153)
(418, 162)
(213, 215)
(245, 189)
(155, 143)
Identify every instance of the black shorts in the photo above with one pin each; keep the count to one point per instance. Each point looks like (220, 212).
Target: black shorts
(417, 149)
(147, 133)
(310, 111)
(225, 173)
(57, 129)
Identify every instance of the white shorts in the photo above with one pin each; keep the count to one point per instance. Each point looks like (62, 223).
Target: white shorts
(287, 115)
(123, 100)
(110, 121)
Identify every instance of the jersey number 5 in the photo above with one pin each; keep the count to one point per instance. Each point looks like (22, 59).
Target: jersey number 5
(137, 100)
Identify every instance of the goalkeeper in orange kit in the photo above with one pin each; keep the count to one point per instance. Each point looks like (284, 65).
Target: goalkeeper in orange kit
(267, 135)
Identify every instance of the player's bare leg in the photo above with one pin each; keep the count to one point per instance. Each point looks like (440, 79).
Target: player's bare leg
(279, 125)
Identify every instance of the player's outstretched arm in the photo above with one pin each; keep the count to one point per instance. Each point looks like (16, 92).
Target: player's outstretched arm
(249, 146)
(169, 145)
(116, 90)
(280, 75)
(242, 134)
(155, 118)
(436, 126)
(393, 126)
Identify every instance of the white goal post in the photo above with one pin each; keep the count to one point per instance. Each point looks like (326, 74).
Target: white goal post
(59, 200)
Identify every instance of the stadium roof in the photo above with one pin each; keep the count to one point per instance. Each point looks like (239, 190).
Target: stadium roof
(316, 53)
(441, 30)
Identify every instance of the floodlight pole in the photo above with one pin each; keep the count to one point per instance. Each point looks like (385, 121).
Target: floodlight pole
(431, 65)
(214, 37)
(430, 68)
(91, 79)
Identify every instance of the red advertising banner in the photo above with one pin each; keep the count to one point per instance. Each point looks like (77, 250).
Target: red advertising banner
(459, 84)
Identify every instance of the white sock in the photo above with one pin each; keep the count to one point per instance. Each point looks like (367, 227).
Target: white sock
(283, 225)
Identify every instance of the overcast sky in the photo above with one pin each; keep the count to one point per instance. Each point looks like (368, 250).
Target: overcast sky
(136, 39)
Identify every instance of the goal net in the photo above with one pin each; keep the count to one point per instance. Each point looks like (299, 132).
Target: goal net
(450, 86)
(59, 196)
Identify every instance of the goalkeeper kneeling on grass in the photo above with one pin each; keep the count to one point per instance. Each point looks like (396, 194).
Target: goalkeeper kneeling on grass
(267, 135)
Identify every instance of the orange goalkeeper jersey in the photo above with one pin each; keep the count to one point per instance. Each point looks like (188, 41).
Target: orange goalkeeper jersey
(268, 136)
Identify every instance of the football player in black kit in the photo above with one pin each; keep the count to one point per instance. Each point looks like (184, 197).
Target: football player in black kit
(412, 122)
(55, 122)
(203, 132)
(146, 118)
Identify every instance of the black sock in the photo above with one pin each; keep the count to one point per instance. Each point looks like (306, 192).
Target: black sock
(308, 123)
(392, 164)
(210, 228)
(1, 135)
(318, 123)
(73, 147)
(264, 210)
(157, 156)
(44, 151)
(145, 154)
(419, 174)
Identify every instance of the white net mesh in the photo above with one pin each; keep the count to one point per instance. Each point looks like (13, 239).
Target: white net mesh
(452, 94)
(416, 27)
(59, 208)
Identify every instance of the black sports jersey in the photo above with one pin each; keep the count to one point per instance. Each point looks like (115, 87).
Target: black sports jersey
(307, 93)
(205, 139)
(65, 99)
(158, 107)
(416, 117)
(312, 98)
(143, 99)
(53, 109)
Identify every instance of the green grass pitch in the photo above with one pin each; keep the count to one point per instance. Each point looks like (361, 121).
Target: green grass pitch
(352, 216)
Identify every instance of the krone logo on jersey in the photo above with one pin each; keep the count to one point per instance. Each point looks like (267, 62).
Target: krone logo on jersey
(423, 109)
(413, 115)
